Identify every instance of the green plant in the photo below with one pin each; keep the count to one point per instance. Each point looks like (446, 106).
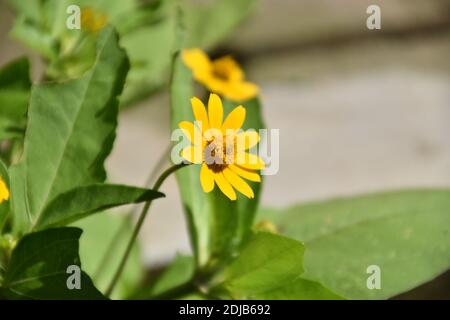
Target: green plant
(57, 134)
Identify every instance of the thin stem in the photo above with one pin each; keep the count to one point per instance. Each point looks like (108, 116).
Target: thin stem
(123, 228)
(138, 227)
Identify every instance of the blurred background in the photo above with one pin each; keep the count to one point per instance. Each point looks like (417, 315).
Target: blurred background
(358, 110)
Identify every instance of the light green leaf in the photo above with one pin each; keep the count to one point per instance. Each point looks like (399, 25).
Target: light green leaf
(267, 262)
(39, 264)
(81, 202)
(101, 248)
(15, 87)
(179, 273)
(211, 22)
(4, 206)
(218, 226)
(70, 132)
(405, 233)
(299, 289)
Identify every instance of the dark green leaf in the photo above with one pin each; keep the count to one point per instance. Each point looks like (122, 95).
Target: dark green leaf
(81, 202)
(70, 132)
(39, 264)
(101, 247)
(405, 233)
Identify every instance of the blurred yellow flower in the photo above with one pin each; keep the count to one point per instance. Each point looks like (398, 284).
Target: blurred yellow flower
(4, 192)
(222, 148)
(222, 76)
(92, 20)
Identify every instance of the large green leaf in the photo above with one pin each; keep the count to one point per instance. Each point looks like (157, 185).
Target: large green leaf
(4, 206)
(39, 267)
(405, 233)
(101, 247)
(299, 289)
(267, 262)
(70, 132)
(15, 87)
(218, 226)
(81, 202)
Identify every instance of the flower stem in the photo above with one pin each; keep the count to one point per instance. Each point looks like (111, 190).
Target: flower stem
(138, 227)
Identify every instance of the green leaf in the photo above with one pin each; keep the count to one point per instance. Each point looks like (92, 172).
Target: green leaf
(101, 248)
(39, 264)
(209, 23)
(179, 273)
(4, 206)
(299, 289)
(15, 87)
(267, 262)
(70, 132)
(405, 233)
(218, 226)
(81, 202)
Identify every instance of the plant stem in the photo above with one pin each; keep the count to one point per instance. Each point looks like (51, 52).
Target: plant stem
(125, 225)
(138, 227)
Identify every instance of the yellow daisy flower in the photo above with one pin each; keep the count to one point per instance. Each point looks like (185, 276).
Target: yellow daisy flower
(92, 20)
(222, 76)
(222, 148)
(4, 192)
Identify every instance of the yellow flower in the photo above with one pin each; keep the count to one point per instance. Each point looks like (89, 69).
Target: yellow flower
(222, 148)
(92, 20)
(222, 76)
(4, 192)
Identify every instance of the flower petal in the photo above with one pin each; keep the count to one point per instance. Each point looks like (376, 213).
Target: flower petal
(235, 119)
(200, 113)
(246, 174)
(4, 192)
(193, 154)
(206, 178)
(191, 132)
(239, 184)
(239, 91)
(249, 161)
(198, 61)
(246, 140)
(215, 111)
(225, 186)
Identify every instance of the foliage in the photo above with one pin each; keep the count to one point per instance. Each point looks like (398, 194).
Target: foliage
(56, 135)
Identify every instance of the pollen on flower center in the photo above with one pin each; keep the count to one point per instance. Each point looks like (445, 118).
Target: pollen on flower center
(221, 73)
(218, 154)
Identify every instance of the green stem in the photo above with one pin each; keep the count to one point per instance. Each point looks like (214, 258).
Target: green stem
(125, 225)
(138, 227)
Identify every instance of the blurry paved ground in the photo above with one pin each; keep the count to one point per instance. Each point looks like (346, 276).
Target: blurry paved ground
(363, 116)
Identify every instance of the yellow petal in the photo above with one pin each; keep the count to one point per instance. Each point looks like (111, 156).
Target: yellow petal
(215, 111)
(191, 132)
(4, 192)
(206, 178)
(235, 119)
(200, 113)
(225, 186)
(249, 161)
(246, 140)
(246, 174)
(198, 61)
(193, 154)
(239, 91)
(228, 69)
(239, 184)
